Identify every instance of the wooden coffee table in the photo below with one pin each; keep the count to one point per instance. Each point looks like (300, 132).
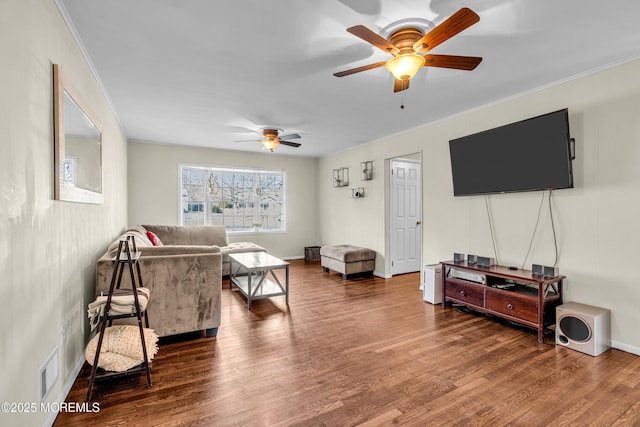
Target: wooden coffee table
(249, 273)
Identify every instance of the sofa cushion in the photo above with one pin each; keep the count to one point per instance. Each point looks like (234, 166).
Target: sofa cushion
(209, 235)
(204, 235)
(238, 248)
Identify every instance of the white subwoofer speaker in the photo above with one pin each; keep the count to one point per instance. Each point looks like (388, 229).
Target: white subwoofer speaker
(584, 328)
(432, 289)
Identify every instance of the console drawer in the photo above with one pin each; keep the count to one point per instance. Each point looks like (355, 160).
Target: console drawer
(513, 305)
(468, 293)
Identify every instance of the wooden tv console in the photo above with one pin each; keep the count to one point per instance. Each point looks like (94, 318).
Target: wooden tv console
(516, 295)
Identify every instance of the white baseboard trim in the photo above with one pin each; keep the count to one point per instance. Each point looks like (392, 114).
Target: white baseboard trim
(66, 388)
(625, 347)
(288, 258)
(384, 276)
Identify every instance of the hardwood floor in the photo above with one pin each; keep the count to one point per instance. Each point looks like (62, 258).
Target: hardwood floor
(366, 352)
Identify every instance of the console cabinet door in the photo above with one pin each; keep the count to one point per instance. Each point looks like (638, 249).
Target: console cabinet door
(513, 305)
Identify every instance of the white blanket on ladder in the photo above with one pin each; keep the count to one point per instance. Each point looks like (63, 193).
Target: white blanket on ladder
(122, 302)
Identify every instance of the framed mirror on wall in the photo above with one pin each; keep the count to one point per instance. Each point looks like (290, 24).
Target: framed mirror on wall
(78, 145)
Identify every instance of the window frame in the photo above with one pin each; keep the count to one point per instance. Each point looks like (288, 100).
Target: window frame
(256, 198)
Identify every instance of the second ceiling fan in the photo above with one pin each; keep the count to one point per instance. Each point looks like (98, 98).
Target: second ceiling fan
(271, 138)
(407, 44)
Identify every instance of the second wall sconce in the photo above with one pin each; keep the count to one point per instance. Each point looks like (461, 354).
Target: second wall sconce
(366, 170)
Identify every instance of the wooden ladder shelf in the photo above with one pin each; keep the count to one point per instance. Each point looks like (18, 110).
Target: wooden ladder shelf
(125, 258)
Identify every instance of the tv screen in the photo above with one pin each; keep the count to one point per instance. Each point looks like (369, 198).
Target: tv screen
(529, 155)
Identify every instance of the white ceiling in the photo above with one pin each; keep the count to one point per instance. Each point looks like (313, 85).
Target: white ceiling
(207, 73)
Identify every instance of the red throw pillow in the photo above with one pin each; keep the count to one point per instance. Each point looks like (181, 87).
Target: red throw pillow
(154, 239)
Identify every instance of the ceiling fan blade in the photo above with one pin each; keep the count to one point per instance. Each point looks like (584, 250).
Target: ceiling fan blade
(249, 140)
(370, 37)
(467, 63)
(359, 69)
(290, 144)
(456, 23)
(290, 136)
(400, 85)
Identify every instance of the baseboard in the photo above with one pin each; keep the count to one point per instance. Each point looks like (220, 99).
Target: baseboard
(384, 276)
(66, 388)
(289, 258)
(625, 347)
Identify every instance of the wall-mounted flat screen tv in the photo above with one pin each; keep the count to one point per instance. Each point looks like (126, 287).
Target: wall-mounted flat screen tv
(533, 154)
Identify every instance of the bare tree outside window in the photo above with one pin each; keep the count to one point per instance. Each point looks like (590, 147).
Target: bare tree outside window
(237, 199)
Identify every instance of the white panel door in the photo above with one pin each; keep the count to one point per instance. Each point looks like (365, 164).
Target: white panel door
(406, 215)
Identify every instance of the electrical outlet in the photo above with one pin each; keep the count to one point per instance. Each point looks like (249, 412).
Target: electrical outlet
(63, 332)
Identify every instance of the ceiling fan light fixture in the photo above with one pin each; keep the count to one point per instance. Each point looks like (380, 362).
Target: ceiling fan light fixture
(270, 143)
(404, 67)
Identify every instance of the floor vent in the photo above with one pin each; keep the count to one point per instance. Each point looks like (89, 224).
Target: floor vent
(49, 374)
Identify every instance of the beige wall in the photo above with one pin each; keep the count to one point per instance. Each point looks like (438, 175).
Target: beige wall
(154, 189)
(47, 248)
(596, 222)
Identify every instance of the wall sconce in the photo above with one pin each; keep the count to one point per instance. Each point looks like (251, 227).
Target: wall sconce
(366, 170)
(341, 177)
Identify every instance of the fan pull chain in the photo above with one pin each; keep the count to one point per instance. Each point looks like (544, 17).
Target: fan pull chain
(403, 91)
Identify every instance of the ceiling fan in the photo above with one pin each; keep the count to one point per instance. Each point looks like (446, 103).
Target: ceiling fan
(272, 138)
(406, 44)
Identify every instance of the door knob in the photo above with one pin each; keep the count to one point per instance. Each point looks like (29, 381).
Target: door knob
(418, 222)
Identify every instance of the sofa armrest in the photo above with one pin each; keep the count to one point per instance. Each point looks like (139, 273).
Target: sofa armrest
(185, 289)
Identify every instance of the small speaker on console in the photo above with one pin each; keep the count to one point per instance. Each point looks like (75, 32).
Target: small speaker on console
(550, 271)
(583, 328)
(458, 257)
(537, 269)
(485, 261)
(544, 270)
(472, 259)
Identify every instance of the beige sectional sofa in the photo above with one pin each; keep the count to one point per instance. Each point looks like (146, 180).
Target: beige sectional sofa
(184, 274)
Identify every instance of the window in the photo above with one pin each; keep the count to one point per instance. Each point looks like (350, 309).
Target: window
(237, 199)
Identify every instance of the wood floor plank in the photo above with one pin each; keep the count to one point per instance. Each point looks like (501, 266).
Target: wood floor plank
(366, 351)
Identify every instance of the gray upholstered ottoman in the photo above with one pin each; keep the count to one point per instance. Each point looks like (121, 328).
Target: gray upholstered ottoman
(347, 259)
